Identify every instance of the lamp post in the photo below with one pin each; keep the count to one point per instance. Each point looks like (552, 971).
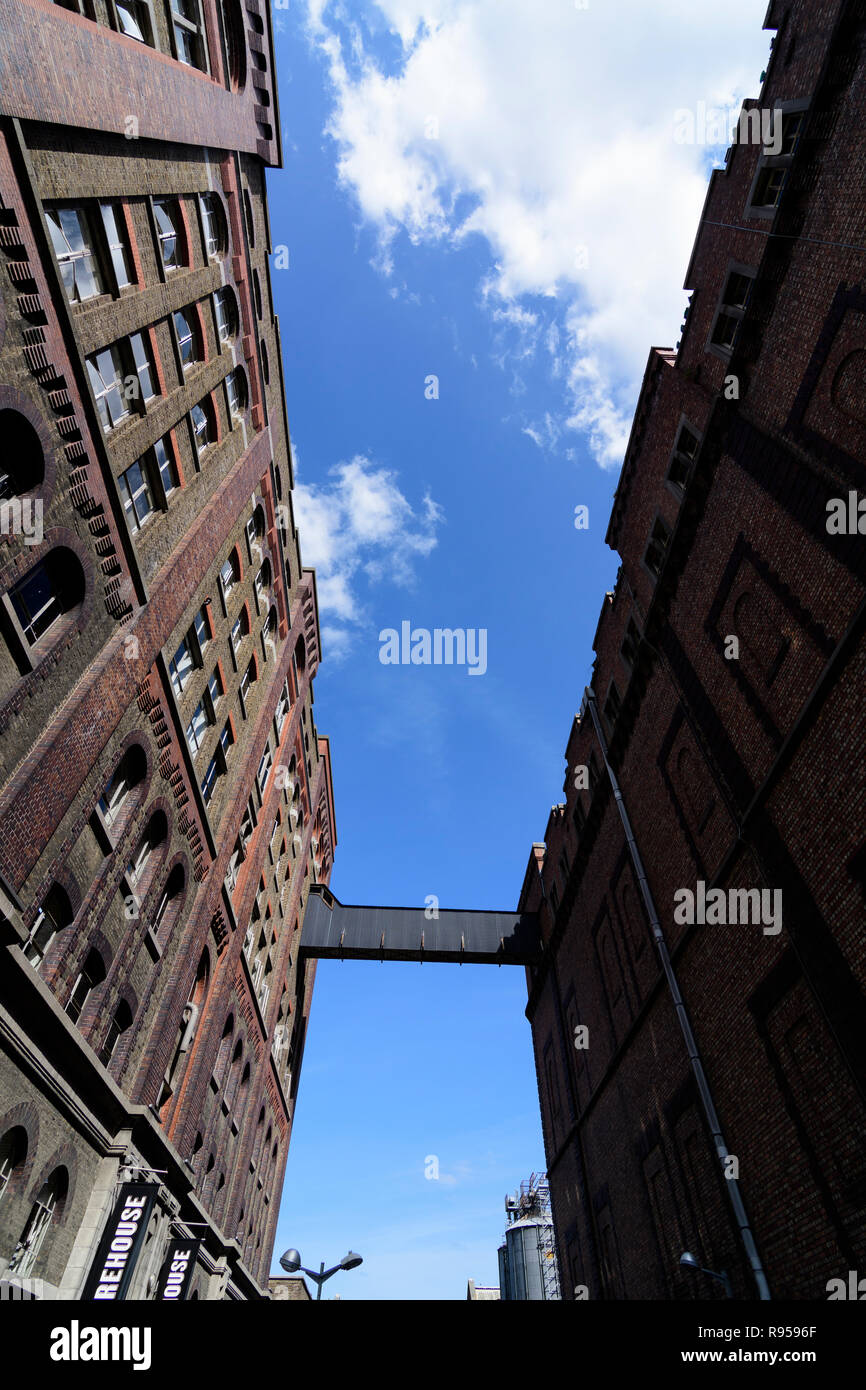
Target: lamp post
(291, 1263)
(690, 1262)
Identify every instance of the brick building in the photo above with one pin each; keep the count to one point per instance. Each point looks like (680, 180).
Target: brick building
(165, 801)
(702, 1081)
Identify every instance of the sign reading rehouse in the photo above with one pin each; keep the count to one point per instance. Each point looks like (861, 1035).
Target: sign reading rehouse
(121, 1242)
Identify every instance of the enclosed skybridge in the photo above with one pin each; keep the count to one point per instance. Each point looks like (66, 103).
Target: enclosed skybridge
(333, 931)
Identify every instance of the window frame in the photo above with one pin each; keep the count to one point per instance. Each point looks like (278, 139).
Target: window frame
(731, 311)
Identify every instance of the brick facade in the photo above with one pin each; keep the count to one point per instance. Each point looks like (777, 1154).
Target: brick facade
(165, 798)
(739, 763)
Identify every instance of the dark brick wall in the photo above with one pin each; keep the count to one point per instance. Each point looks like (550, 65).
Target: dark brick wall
(743, 773)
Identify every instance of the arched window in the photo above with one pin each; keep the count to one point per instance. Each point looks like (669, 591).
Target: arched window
(129, 773)
(238, 395)
(230, 574)
(203, 424)
(188, 336)
(92, 974)
(255, 529)
(48, 1205)
(257, 293)
(23, 467)
(173, 889)
(266, 373)
(54, 914)
(240, 629)
(52, 587)
(248, 212)
(226, 309)
(13, 1152)
(213, 218)
(156, 833)
(121, 1019)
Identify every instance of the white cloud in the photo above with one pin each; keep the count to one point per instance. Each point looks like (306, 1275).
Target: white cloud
(555, 138)
(359, 526)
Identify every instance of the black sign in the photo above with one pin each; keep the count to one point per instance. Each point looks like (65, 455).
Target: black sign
(121, 1242)
(177, 1271)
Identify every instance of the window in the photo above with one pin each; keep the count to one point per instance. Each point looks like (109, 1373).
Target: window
(147, 485)
(166, 467)
(13, 1151)
(214, 224)
(263, 581)
(203, 425)
(106, 372)
(773, 166)
(264, 768)
(37, 602)
(23, 466)
(201, 628)
(684, 454)
(188, 30)
(236, 385)
(227, 738)
(255, 529)
(143, 366)
(230, 575)
(72, 239)
(136, 489)
(181, 666)
(54, 914)
(133, 19)
(249, 675)
(215, 688)
(196, 729)
(240, 630)
(210, 779)
(129, 773)
(237, 858)
(631, 643)
(283, 707)
(118, 248)
(658, 544)
(225, 306)
(169, 232)
(173, 889)
(50, 1197)
(732, 308)
(188, 339)
(92, 974)
(121, 1020)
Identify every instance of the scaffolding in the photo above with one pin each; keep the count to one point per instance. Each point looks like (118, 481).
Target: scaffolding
(530, 1204)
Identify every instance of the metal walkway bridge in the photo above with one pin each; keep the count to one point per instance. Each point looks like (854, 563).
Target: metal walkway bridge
(334, 931)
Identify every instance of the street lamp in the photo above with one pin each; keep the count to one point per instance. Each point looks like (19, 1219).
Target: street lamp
(690, 1262)
(291, 1263)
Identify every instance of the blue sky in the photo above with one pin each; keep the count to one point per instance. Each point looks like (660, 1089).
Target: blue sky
(494, 194)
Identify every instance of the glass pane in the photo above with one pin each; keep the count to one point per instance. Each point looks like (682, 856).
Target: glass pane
(72, 223)
(128, 22)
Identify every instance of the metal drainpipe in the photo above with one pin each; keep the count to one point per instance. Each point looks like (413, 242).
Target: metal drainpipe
(709, 1108)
